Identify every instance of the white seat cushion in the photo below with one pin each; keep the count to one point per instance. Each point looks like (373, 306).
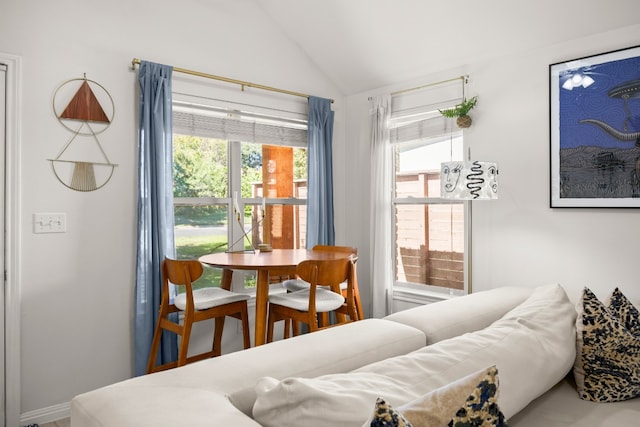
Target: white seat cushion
(209, 297)
(299, 300)
(294, 285)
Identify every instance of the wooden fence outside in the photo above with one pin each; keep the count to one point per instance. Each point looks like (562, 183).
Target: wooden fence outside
(429, 238)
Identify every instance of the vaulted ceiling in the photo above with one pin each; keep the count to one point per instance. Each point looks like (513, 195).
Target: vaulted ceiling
(366, 44)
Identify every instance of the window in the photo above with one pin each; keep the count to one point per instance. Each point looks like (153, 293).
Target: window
(225, 158)
(429, 232)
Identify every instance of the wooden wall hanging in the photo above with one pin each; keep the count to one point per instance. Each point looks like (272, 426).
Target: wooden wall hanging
(83, 166)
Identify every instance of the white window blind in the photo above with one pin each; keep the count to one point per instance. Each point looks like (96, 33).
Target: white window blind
(415, 115)
(418, 127)
(236, 125)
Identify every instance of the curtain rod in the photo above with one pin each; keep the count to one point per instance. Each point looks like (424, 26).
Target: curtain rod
(241, 83)
(464, 78)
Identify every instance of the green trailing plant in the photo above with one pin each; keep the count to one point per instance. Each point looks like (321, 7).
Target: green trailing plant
(461, 109)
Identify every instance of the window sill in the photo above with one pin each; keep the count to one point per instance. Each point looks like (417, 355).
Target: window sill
(421, 296)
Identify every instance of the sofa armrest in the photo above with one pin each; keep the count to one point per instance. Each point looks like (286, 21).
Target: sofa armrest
(449, 318)
(154, 404)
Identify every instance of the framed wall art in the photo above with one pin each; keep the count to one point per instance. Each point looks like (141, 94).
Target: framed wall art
(595, 130)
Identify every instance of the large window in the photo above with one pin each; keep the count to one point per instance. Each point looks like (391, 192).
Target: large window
(429, 232)
(228, 158)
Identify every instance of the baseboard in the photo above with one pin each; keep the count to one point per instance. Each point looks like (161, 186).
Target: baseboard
(46, 415)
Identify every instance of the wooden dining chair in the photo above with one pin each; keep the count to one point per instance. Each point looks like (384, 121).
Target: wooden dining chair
(297, 284)
(196, 305)
(322, 296)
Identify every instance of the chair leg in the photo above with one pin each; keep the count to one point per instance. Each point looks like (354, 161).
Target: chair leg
(153, 352)
(216, 348)
(270, 323)
(245, 326)
(359, 310)
(324, 319)
(287, 328)
(184, 344)
(295, 327)
(341, 318)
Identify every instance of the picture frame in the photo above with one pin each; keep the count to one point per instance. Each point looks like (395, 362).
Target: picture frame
(595, 131)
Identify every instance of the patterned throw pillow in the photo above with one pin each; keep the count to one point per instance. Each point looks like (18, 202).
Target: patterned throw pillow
(607, 367)
(481, 408)
(386, 416)
(468, 402)
(625, 311)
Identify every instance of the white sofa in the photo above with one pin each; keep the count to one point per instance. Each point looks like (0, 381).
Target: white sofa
(332, 377)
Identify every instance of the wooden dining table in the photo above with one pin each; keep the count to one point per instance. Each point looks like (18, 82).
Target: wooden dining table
(278, 262)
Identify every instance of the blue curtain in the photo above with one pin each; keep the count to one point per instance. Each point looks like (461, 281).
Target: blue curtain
(320, 221)
(155, 209)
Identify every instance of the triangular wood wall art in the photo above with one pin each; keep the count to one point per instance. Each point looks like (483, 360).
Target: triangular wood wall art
(85, 106)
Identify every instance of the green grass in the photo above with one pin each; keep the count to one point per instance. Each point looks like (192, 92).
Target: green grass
(196, 216)
(193, 247)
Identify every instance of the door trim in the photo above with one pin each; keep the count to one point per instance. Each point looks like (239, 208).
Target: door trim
(12, 238)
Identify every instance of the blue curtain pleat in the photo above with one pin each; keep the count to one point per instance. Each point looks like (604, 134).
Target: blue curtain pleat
(320, 216)
(155, 209)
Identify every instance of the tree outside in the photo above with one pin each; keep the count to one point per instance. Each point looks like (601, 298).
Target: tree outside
(201, 169)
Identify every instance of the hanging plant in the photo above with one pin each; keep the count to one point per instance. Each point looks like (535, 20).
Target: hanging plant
(461, 112)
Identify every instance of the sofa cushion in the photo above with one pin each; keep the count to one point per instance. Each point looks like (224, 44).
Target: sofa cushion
(330, 350)
(532, 344)
(607, 365)
(337, 400)
(458, 315)
(472, 400)
(176, 394)
(155, 405)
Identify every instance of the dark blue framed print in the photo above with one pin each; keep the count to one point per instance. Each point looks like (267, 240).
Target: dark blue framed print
(595, 130)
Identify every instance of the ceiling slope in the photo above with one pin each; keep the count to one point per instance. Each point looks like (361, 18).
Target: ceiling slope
(366, 44)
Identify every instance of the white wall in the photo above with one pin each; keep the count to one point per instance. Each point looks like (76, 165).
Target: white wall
(77, 288)
(519, 240)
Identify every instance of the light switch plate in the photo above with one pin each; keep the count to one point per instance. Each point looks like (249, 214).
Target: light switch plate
(50, 223)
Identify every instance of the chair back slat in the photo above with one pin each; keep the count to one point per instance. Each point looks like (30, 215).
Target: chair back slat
(327, 272)
(181, 272)
(338, 249)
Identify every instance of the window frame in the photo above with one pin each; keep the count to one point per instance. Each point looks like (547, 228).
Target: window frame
(235, 231)
(424, 293)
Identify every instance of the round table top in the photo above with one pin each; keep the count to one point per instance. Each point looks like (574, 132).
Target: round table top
(265, 260)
